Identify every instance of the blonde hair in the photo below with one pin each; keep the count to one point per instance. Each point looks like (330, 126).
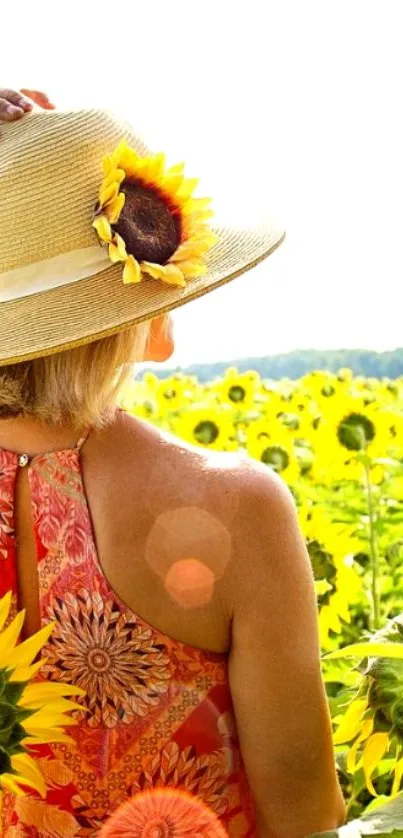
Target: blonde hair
(77, 387)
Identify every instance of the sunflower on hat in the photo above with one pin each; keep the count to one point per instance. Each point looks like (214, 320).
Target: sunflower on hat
(149, 219)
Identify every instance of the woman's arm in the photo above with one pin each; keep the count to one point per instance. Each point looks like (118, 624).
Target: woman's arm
(275, 672)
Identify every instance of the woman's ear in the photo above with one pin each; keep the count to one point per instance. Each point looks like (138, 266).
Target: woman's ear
(160, 344)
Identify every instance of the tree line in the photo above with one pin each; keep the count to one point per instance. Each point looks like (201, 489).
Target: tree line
(295, 364)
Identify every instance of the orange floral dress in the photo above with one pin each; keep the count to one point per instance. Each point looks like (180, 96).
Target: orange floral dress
(157, 712)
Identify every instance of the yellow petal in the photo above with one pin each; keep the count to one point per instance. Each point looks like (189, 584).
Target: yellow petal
(186, 189)
(350, 724)
(119, 154)
(26, 767)
(153, 269)
(108, 164)
(196, 205)
(114, 208)
(48, 719)
(42, 735)
(131, 271)
(193, 247)
(9, 636)
(25, 673)
(352, 757)
(156, 166)
(398, 777)
(115, 255)
(116, 176)
(171, 183)
(367, 727)
(44, 691)
(8, 781)
(120, 245)
(170, 274)
(108, 193)
(373, 752)
(103, 228)
(26, 652)
(192, 269)
(5, 605)
(176, 170)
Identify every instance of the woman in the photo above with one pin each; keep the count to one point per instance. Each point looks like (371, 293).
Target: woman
(178, 580)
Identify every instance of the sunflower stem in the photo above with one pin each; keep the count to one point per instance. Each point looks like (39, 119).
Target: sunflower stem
(373, 547)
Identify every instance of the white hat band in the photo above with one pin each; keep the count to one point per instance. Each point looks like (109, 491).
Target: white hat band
(52, 273)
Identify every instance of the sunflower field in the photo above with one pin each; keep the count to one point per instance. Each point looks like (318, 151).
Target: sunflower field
(337, 441)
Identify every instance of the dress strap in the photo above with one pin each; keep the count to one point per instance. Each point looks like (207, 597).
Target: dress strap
(84, 438)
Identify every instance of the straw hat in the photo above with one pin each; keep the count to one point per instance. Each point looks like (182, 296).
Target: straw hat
(58, 286)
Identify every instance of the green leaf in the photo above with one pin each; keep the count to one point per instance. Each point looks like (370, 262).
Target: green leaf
(366, 650)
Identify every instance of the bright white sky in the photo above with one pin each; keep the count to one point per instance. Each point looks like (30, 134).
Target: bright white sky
(294, 106)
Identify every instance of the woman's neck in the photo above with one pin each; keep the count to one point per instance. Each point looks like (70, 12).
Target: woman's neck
(28, 436)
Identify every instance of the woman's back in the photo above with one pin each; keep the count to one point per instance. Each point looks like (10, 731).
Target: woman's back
(158, 710)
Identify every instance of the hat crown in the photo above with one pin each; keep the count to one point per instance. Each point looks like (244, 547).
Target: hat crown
(50, 173)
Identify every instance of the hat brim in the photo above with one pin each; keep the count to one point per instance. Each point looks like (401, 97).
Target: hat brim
(93, 308)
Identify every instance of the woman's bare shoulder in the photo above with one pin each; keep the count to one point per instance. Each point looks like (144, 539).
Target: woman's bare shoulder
(231, 486)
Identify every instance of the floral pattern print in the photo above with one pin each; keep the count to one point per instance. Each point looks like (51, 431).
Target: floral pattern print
(157, 712)
(109, 654)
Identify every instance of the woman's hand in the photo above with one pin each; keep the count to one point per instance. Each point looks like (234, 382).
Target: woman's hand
(14, 104)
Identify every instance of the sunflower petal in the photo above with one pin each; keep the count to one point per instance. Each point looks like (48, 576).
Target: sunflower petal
(108, 164)
(103, 228)
(9, 636)
(192, 269)
(352, 757)
(25, 673)
(350, 724)
(193, 247)
(115, 255)
(5, 605)
(186, 189)
(171, 183)
(131, 271)
(108, 193)
(170, 274)
(43, 691)
(176, 170)
(121, 247)
(26, 652)
(26, 767)
(116, 176)
(10, 782)
(42, 735)
(196, 205)
(373, 752)
(114, 208)
(156, 166)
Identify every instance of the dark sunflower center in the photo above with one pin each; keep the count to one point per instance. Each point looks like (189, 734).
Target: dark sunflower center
(146, 224)
(355, 432)
(206, 432)
(328, 390)
(275, 457)
(236, 393)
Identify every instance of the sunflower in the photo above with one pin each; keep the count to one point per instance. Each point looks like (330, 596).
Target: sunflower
(30, 713)
(331, 547)
(270, 443)
(207, 425)
(237, 389)
(372, 725)
(148, 218)
(168, 813)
